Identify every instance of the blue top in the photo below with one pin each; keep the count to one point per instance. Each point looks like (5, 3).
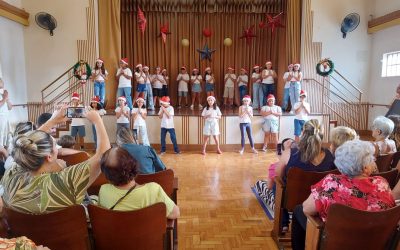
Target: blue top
(146, 157)
(295, 161)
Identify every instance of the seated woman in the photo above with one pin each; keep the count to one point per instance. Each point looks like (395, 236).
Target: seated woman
(67, 143)
(395, 136)
(354, 187)
(35, 184)
(124, 194)
(382, 127)
(340, 135)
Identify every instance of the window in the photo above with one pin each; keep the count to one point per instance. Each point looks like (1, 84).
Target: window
(391, 64)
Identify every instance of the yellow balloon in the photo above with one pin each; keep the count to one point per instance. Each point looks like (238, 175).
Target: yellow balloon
(227, 41)
(185, 42)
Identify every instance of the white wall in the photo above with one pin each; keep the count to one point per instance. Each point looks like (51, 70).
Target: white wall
(351, 55)
(12, 64)
(47, 57)
(383, 89)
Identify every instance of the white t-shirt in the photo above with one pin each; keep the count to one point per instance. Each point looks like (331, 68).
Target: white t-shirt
(123, 118)
(165, 121)
(157, 81)
(3, 109)
(209, 79)
(269, 79)
(213, 113)
(147, 79)
(275, 109)
(230, 83)
(302, 115)
(140, 77)
(196, 79)
(165, 80)
(182, 85)
(139, 121)
(296, 74)
(98, 77)
(76, 121)
(245, 118)
(122, 81)
(256, 76)
(287, 83)
(244, 79)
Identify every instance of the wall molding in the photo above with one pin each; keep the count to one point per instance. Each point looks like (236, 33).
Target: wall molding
(384, 22)
(13, 13)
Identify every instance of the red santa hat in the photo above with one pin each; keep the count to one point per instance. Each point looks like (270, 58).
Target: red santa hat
(95, 99)
(230, 68)
(243, 69)
(145, 67)
(139, 99)
(139, 65)
(75, 96)
(211, 98)
(270, 96)
(268, 62)
(246, 97)
(183, 67)
(303, 93)
(165, 100)
(208, 68)
(99, 60)
(123, 98)
(296, 64)
(195, 69)
(124, 60)
(290, 65)
(256, 67)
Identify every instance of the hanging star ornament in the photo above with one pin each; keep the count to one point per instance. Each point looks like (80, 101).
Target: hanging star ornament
(141, 19)
(164, 31)
(206, 52)
(248, 34)
(272, 22)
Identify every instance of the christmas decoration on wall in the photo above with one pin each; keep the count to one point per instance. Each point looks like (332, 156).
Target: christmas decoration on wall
(164, 31)
(227, 42)
(185, 42)
(325, 67)
(206, 52)
(248, 34)
(82, 71)
(207, 32)
(272, 22)
(141, 19)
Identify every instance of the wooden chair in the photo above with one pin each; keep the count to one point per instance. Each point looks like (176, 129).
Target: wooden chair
(140, 229)
(74, 158)
(296, 191)
(64, 229)
(390, 176)
(349, 228)
(395, 160)
(95, 187)
(384, 162)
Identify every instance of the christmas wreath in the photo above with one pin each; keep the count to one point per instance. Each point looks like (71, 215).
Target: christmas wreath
(82, 71)
(325, 67)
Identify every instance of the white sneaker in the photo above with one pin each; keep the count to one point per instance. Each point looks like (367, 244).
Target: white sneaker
(200, 106)
(241, 151)
(264, 149)
(191, 107)
(254, 151)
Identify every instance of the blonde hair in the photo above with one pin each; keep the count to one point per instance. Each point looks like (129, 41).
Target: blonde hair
(30, 149)
(341, 134)
(124, 136)
(311, 141)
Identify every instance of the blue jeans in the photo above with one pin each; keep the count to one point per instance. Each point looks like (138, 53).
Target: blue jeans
(100, 91)
(172, 135)
(286, 97)
(94, 136)
(148, 96)
(247, 127)
(257, 99)
(294, 92)
(127, 93)
(266, 90)
(242, 91)
(140, 133)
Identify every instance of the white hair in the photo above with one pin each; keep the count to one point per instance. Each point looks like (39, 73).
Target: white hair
(352, 156)
(385, 125)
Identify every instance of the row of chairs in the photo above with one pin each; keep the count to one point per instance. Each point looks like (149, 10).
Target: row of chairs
(387, 162)
(297, 190)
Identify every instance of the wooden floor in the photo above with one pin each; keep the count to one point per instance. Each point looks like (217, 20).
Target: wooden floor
(218, 208)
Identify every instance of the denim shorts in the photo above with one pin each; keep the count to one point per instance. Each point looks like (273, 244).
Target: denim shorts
(182, 93)
(271, 126)
(141, 87)
(196, 88)
(298, 126)
(209, 87)
(78, 130)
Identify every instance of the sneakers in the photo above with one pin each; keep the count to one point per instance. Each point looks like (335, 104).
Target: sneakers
(264, 149)
(200, 106)
(241, 151)
(191, 106)
(178, 152)
(162, 153)
(254, 151)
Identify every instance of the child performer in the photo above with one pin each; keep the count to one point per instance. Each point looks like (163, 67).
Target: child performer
(122, 113)
(196, 87)
(157, 81)
(124, 76)
(302, 110)
(96, 105)
(245, 115)
(166, 115)
(99, 76)
(77, 124)
(139, 122)
(165, 83)
(183, 81)
(140, 78)
(268, 83)
(211, 114)
(5, 107)
(286, 90)
(210, 81)
(271, 113)
(229, 90)
(242, 82)
(257, 88)
(295, 85)
(149, 89)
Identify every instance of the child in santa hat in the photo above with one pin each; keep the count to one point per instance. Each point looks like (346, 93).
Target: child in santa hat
(229, 89)
(166, 115)
(196, 79)
(139, 114)
(210, 81)
(96, 105)
(148, 97)
(271, 114)
(5, 107)
(295, 78)
(286, 90)
(123, 113)
(140, 78)
(211, 114)
(302, 110)
(242, 82)
(268, 76)
(257, 89)
(78, 123)
(183, 79)
(99, 76)
(124, 76)
(245, 115)
(157, 81)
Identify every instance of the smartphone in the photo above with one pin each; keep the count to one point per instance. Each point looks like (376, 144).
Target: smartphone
(279, 148)
(76, 112)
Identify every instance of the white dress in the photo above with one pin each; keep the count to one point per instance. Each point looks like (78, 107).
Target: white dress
(4, 124)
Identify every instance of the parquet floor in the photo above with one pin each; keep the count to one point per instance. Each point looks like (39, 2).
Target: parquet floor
(218, 208)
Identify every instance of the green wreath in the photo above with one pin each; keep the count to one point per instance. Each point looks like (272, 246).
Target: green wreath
(322, 67)
(76, 70)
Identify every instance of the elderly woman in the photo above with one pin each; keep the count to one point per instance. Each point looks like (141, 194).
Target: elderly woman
(340, 135)
(35, 184)
(395, 136)
(382, 128)
(124, 194)
(354, 187)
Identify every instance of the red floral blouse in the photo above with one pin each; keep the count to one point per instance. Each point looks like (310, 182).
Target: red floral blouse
(369, 194)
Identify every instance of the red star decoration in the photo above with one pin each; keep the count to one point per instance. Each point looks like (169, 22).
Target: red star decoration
(141, 19)
(248, 34)
(272, 22)
(164, 31)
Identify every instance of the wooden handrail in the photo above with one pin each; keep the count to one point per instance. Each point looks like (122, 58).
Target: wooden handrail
(58, 78)
(378, 105)
(343, 87)
(344, 78)
(20, 105)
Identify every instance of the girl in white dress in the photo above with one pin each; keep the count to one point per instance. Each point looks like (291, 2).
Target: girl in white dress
(211, 114)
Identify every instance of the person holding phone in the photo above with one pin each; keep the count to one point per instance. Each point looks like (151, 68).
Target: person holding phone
(77, 123)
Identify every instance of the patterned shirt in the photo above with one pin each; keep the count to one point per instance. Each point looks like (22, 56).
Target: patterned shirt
(368, 194)
(47, 192)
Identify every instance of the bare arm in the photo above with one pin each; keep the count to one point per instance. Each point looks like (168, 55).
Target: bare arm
(143, 113)
(396, 191)
(118, 113)
(175, 213)
(309, 206)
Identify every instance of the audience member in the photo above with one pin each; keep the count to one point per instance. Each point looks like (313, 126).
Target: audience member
(382, 128)
(43, 118)
(340, 135)
(67, 144)
(395, 136)
(124, 194)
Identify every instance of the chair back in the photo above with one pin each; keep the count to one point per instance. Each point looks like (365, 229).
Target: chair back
(395, 160)
(74, 158)
(64, 229)
(95, 187)
(298, 185)
(141, 229)
(164, 178)
(384, 162)
(349, 228)
(390, 176)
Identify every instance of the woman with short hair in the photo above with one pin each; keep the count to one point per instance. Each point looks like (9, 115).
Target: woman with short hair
(382, 128)
(340, 135)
